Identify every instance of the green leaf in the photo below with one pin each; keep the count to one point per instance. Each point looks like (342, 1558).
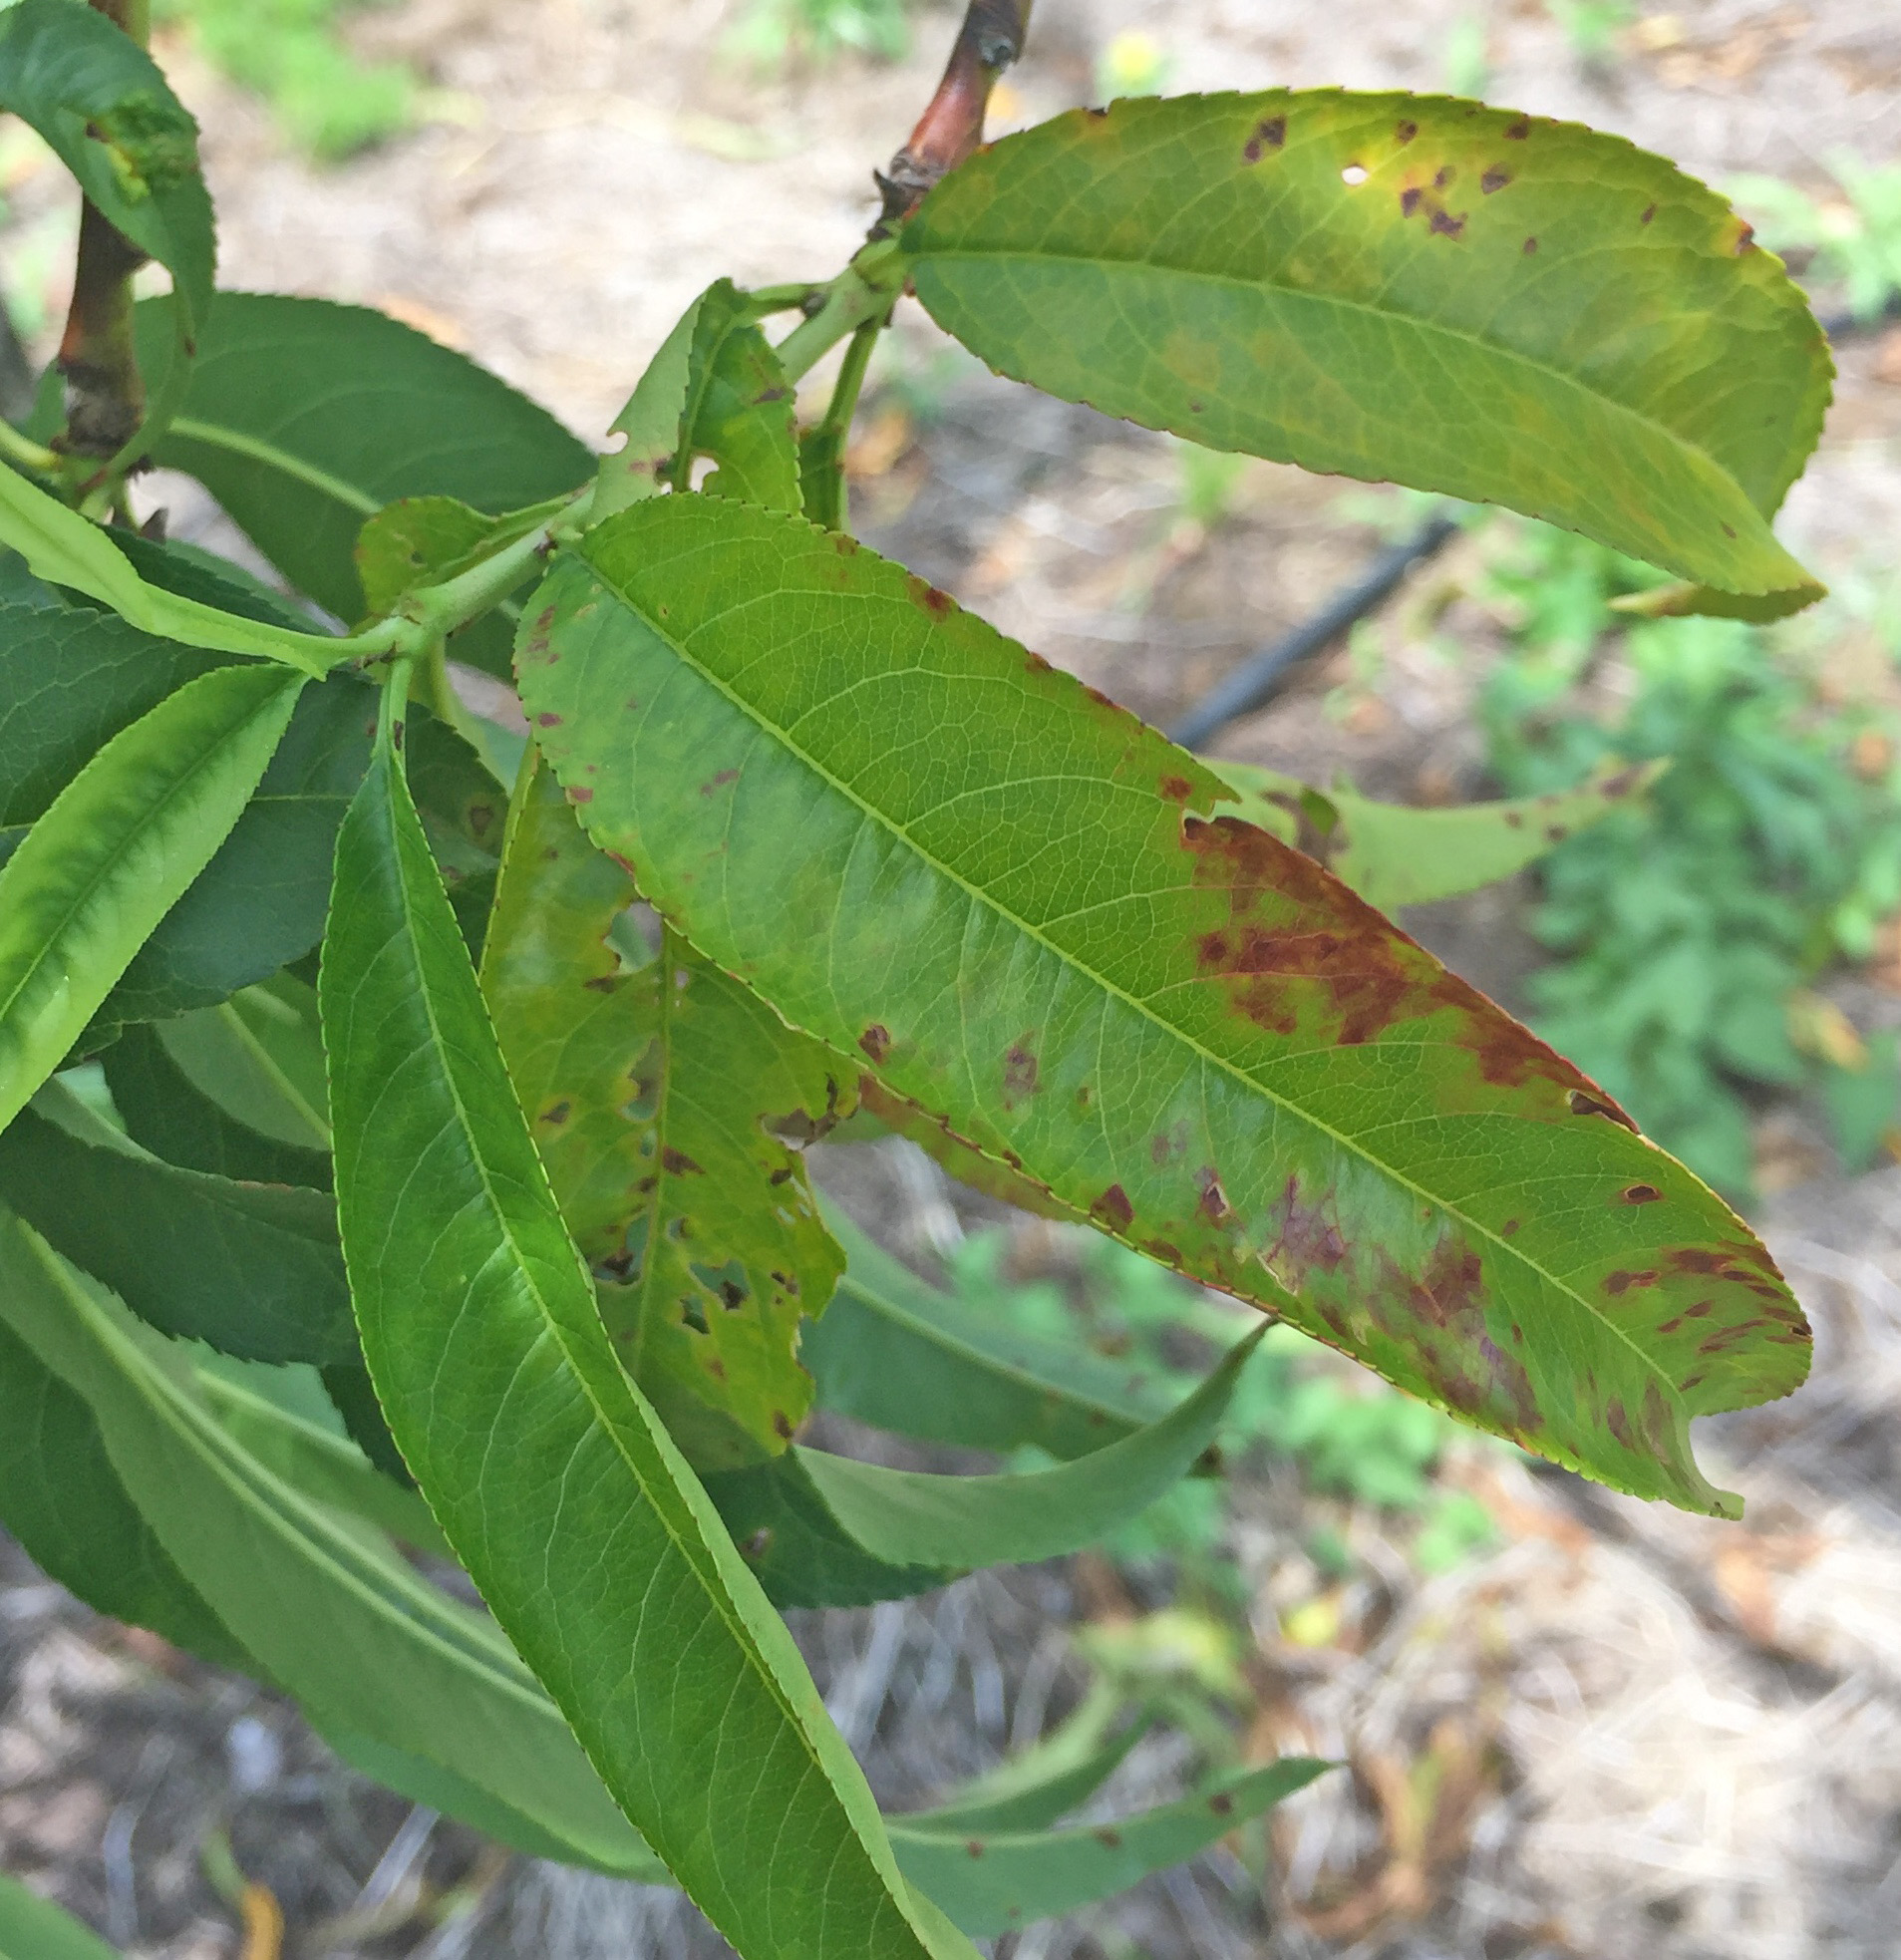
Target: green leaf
(651, 1081)
(164, 1110)
(824, 1530)
(798, 1552)
(116, 849)
(63, 1500)
(548, 1471)
(902, 1355)
(315, 1460)
(1393, 855)
(259, 904)
(1029, 1791)
(66, 549)
(258, 1058)
(915, 1517)
(436, 1788)
(33, 1928)
(994, 1884)
(1017, 902)
(253, 1270)
(328, 1609)
(71, 678)
(304, 418)
(422, 541)
(109, 115)
(715, 389)
(1505, 308)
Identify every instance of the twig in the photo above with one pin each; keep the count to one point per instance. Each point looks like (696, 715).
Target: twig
(105, 393)
(990, 39)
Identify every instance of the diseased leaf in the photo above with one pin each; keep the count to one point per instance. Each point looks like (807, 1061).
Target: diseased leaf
(962, 1161)
(993, 1884)
(548, 1470)
(651, 1081)
(902, 1355)
(304, 418)
(1503, 307)
(388, 1654)
(164, 1110)
(715, 389)
(1020, 906)
(1393, 855)
(110, 116)
(33, 1928)
(253, 1270)
(117, 847)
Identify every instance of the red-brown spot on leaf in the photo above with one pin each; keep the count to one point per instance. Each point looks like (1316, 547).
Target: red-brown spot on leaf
(548, 721)
(1519, 131)
(1113, 1207)
(676, 1164)
(1019, 1073)
(1508, 1228)
(1650, 212)
(1617, 1420)
(1177, 788)
(781, 1424)
(1410, 199)
(927, 597)
(557, 1112)
(719, 781)
(1447, 226)
(1164, 1249)
(1585, 1104)
(1213, 1204)
(1531, 246)
(580, 793)
(1105, 1835)
(1495, 180)
(1620, 1282)
(1221, 1803)
(877, 1041)
(1641, 1194)
(1270, 135)
(1406, 132)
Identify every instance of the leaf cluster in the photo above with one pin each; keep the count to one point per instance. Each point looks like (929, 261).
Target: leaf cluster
(403, 1125)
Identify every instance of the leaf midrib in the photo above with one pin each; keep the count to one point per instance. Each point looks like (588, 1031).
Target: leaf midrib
(1502, 1245)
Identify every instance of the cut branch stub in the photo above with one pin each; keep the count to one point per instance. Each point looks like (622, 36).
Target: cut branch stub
(952, 125)
(1025, 910)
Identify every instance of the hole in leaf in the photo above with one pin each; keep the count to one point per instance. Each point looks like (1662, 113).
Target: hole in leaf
(1354, 174)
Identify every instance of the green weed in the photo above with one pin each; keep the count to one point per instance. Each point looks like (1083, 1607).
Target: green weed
(289, 52)
(1688, 929)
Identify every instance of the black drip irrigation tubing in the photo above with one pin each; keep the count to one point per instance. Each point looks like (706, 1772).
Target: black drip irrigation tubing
(1261, 675)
